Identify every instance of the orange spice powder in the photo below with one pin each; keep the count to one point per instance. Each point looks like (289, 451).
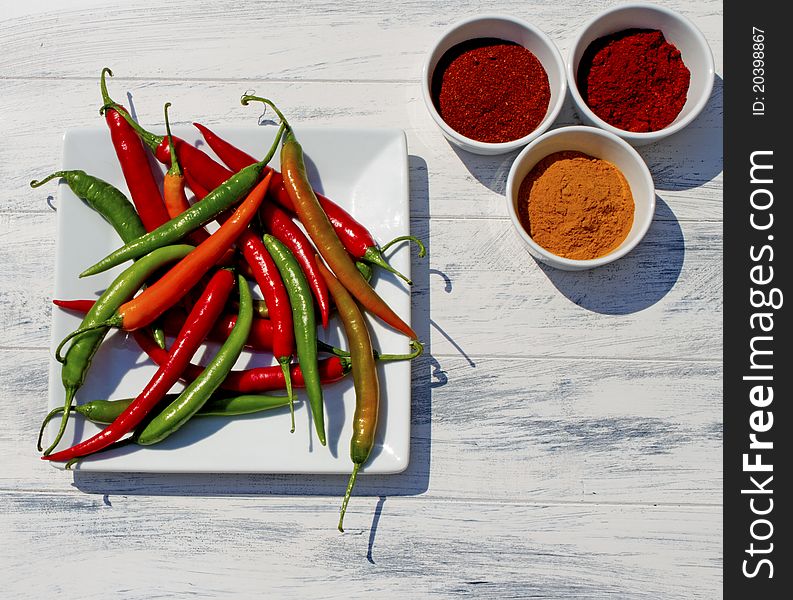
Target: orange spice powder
(575, 205)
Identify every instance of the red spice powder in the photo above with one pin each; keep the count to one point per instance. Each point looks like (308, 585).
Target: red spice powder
(634, 80)
(491, 90)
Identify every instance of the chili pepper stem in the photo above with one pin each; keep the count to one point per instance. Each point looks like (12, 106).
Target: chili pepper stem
(375, 256)
(175, 168)
(347, 495)
(67, 406)
(112, 322)
(46, 421)
(246, 99)
(417, 350)
(148, 138)
(39, 182)
(406, 238)
(103, 88)
(285, 362)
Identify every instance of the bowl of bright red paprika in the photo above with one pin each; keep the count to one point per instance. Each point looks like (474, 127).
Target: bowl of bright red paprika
(640, 71)
(492, 84)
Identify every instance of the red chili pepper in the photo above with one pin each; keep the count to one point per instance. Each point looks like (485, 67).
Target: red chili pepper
(355, 237)
(234, 158)
(266, 275)
(171, 287)
(258, 379)
(275, 295)
(259, 338)
(166, 291)
(283, 228)
(192, 334)
(134, 163)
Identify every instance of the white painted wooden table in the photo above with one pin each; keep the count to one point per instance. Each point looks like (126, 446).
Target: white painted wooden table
(566, 427)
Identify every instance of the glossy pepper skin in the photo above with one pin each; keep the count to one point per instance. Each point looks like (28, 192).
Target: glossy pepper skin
(134, 163)
(104, 412)
(364, 375)
(198, 324)
(105, 199)
(284, 229)
(355, 237)
(171, 287)
(259, 338)
(218, 200)
(198, 392)
(325, 239)
(305, 326)
(257, 379)
(81, 352)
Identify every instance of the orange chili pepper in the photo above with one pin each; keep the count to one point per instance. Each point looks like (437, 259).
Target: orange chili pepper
(320, 230)
(166, 291)
(173, 183)
(171, 287)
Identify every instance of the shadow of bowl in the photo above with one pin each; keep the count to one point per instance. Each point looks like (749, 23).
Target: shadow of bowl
(637, 280)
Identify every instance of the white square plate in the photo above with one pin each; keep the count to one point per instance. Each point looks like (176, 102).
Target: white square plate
(364, 170)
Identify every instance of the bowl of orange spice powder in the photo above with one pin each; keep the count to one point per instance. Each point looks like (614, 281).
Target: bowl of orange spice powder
(580, 197)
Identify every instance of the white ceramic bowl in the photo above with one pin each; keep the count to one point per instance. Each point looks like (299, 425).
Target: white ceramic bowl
(600, 144)
(677, 30)
(512, 30)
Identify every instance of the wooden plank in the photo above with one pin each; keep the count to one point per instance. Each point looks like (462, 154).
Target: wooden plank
(161, 547)
(539, 429)
(480, 293)
(224, 41)
(443, 182)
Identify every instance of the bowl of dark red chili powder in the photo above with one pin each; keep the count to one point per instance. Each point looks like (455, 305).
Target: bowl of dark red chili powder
(580, 197)
(494, 83)
(640, 71)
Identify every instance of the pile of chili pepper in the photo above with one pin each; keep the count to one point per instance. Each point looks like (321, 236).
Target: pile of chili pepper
(193, 286)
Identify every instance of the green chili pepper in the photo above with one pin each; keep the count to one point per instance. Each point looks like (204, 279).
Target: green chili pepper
(81, 352)
(221, 198)
(112, 205)
(105, 412)
(195, 395)
(305, 323)
(108, 201)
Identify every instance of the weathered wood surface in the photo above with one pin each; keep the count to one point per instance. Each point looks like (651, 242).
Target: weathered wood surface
(566, 438)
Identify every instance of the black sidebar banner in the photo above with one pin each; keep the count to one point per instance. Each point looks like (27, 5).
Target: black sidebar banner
(758, 426)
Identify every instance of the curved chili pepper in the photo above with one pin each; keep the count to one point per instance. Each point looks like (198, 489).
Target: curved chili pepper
(134, 163)
(80, 354)
(257, 379)
(305, 326)
(364, 375)
(108, 201)
(112, 205)
(171, 287)
(104, 412)
(173, 182)
(195, 395)
(192, 334)
(173, 188)
(192, 159)
(321, 231)
(355, 237)
(217, 201)
(283, 228)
